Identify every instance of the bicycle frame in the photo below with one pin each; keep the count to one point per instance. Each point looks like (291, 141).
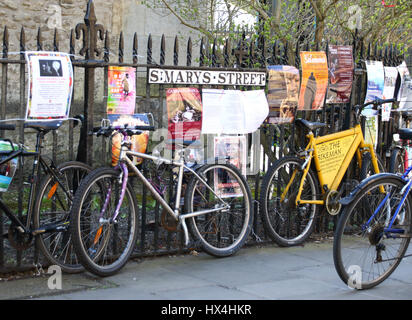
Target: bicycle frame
(39, 163)
(331, 183)
(126, 163)
(404, 193)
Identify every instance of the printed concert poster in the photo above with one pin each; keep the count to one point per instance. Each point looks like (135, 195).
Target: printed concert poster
(50, 83)
(376, 80)
(235, 148)
(283, 93)
(139, 142)
(314, 80)
(341, 66)
(121, 97)
(405, 90)
(184, 109)
(391, 74)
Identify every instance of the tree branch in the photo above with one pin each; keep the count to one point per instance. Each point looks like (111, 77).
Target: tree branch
(185, 23)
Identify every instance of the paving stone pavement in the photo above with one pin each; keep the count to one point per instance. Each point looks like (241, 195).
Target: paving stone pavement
(254, 273)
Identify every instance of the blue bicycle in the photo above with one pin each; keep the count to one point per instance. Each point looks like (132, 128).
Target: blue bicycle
(374, 229)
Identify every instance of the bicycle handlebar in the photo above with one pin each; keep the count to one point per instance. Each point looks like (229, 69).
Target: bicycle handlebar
(376, 103)
(130, 130)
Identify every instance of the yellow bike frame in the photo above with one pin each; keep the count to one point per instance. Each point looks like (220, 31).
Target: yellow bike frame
(357, 146)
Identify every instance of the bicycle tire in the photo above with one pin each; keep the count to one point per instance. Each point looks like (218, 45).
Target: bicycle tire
(220, 234)
(357, 247)
(286, 224)
(53, 205)
(103, 246)
(397, 161)
(367, 167)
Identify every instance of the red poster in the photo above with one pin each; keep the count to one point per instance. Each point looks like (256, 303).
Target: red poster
(340, 74)
(184, 109)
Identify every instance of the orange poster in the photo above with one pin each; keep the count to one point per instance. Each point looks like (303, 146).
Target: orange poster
(314, 80)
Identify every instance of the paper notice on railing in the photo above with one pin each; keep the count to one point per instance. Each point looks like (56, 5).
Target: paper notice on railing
(233, 111)
(50, 85)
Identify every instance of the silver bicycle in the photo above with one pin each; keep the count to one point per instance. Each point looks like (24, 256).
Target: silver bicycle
(217, 206)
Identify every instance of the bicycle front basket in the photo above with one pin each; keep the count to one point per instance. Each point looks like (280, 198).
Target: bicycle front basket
(7, 169)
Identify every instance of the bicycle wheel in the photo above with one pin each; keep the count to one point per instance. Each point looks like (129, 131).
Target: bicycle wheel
(284, 222)
(397, 161)
(103, 242)
(51, 213)
(220, 233)
(364, 254)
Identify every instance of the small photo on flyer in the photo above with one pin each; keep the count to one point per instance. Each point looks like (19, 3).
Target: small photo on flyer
(50, 68)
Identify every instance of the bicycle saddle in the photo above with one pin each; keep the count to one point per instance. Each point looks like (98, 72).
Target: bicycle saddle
(405, 134)
(310, 125)
(44, 125)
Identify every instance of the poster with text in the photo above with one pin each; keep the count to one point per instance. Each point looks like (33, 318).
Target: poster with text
(314, 80)
(121, 95)
(184, 110)
(233, 111)
(235, 148)
(341, 66)
(139, 142)
(376, 80)
(50, 83)
(391, 74)
(405, 89)
(283, 93)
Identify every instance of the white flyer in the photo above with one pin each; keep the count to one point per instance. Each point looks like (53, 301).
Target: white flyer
(391, 74)
(50, 85)
(405, 90)
(233, 111)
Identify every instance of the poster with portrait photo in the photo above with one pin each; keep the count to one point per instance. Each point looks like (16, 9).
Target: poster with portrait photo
(283, 93)
(50, 85)
(314, 80)
(340, 61)
(234, 148)
(121, 95)
(184, 110)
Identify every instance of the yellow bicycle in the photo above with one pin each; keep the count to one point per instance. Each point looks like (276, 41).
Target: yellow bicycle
(295, 187)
